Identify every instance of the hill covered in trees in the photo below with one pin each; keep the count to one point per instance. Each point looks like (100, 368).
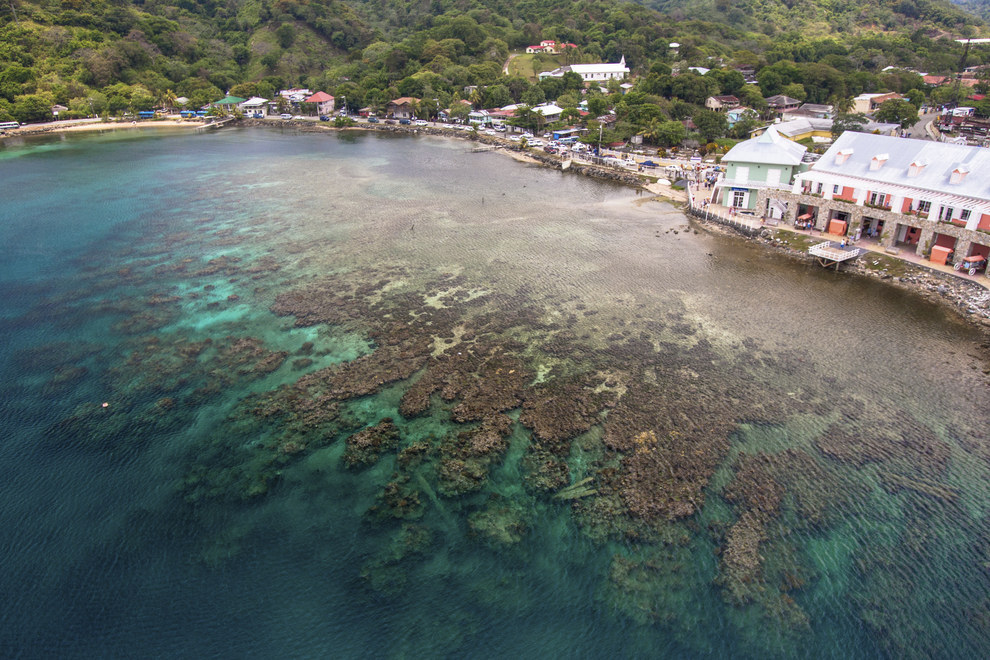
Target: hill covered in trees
(101, 56)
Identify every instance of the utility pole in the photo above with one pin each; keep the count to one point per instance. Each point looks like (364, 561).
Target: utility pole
(962, 68)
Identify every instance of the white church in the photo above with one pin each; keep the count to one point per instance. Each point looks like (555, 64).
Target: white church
(592, 72)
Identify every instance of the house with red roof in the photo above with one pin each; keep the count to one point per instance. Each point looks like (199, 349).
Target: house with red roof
(324, 103)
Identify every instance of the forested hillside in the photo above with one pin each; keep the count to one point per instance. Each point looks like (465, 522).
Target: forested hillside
(818, 17)
(96, 56)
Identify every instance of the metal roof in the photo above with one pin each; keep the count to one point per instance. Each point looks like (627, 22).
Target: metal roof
(939, 159)
(770, 148)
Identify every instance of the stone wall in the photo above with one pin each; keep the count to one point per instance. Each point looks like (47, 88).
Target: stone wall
(964, 237)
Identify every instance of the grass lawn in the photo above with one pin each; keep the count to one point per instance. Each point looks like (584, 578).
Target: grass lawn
(529, 65)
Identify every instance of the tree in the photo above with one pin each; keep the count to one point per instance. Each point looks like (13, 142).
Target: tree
(842, 104)
(665, 133)
(711, 125)
(597, 105)
(770, 81)
(460, 110)
(898, 111)
(167, 99)
(795, 91)
(33, 107)
(497, 96)
(916, 97)
(534, 96)
(742, 128)
(848, 122)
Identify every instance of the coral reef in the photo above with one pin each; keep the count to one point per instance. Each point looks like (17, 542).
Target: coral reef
(366, 446)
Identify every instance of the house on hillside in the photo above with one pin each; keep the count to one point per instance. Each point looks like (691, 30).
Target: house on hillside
(549, 46)
(480, 117)
(869, 103)
(592, 72)
(736, 115)
(768, 162)
(550, 111)
(810, 110)
(778, 104)
(721, 103)
(402, 108)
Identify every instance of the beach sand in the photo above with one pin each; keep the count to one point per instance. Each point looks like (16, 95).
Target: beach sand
(66, 127)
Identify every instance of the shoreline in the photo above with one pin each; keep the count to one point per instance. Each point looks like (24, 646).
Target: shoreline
(34, 130)
(970, 301)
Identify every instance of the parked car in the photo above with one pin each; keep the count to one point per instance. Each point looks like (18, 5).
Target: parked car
(405, 122)
(372, 120)
(324, 118)
(285, 115)
(420, 122)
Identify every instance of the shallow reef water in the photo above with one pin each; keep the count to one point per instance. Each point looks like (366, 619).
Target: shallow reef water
(270, 392)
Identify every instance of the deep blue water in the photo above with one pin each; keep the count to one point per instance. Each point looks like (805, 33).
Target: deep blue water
(174, 521)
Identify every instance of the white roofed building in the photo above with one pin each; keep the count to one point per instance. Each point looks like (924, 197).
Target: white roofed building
(768, 161)
(254, 106)
(929, 197)
(592, 72)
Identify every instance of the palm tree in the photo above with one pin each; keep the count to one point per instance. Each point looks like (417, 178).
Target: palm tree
(651, 131)
(167, 99)
(475, 98)
(842, 104)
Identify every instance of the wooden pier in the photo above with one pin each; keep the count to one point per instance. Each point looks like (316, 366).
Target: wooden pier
(831, 254)
(214, 124)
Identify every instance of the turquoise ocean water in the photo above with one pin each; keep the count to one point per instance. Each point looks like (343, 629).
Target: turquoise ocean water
(632, 439)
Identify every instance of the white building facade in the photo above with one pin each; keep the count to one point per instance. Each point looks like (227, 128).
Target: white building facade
(592, 72)
(910, 194)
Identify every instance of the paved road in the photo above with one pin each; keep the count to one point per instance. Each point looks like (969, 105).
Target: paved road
(918, 130)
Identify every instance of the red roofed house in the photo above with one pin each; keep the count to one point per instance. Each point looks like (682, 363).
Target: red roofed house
(324, 103)
(548, 46)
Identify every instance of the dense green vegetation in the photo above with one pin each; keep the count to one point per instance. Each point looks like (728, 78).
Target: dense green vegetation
(98, 56)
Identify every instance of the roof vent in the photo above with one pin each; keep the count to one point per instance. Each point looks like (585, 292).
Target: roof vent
(878, 161)
(842, 156)
(959, 174)
(917, 166)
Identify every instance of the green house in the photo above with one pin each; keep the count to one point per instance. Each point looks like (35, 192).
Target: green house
(767, 161)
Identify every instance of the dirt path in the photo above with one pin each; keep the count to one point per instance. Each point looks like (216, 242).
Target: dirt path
(505, 67)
